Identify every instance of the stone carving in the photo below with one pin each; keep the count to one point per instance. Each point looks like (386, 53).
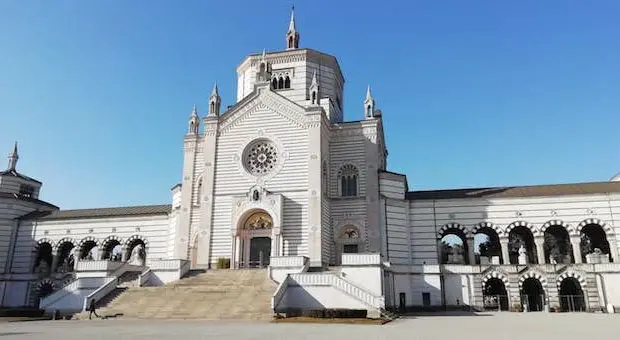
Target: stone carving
(259, 220)
(522, 255)
(351, 233)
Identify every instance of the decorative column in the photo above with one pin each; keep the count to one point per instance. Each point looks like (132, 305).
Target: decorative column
(470, 251)
(540, 249)
(503, 241)
(125, 253)
(55, 259)
(575, 242)
(613, 248)
(238, 247)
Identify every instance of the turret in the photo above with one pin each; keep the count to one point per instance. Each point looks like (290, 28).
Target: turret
(214, 102)
(194, 122)
(369, 104)
(13, 157)
(292, 36)
(314, 91)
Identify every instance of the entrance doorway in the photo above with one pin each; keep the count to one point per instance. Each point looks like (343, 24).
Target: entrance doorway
(533, 295)
(260, 250)
(571, 296)
(494, 294)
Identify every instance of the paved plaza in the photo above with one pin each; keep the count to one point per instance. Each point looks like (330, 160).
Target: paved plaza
(504, 326)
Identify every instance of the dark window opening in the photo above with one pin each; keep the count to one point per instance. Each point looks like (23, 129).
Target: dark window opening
(26, 190)
(350, 249)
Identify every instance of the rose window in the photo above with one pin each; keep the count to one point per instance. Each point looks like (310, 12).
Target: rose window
(261, 157)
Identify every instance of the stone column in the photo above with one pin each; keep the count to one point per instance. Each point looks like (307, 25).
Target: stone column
(470, 251)
(125, 254)
(540, 250)
(439, 251)
(575, 242)
(238, 248)
(503, 241)
(613, 248)
(55, 259)
(233, 255)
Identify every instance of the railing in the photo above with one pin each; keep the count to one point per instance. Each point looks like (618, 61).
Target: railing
(145, 276)
(572, 303)
(100, 292)
(361, 259)
(277, 297)
(59, 294)
(84, 265)
(165, 264)
(287, 261)
(321, 279)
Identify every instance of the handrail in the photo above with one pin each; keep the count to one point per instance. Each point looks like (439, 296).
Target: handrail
(59, 294)
(279, 293)
(341, 284)
(103, 288)
(144, 277)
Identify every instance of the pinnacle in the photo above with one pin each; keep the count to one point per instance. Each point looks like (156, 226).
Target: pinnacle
(291, 25)
(368, 94)
(214, 92)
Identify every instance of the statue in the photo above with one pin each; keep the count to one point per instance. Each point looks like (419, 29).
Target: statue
(42, 267)
(522, 255)
(137, 255)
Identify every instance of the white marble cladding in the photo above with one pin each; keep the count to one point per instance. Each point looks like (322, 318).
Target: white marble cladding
(361, 259)
(99, 266)
(413, 227)
(153, 230)
(287, 261)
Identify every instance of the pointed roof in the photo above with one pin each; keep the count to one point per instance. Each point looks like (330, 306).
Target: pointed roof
(195, 111)
(10, 171)
(214, 92)
(368, 94)
(314, 81)
(291, 25)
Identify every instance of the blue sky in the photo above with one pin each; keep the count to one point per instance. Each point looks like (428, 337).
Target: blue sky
(473, 93)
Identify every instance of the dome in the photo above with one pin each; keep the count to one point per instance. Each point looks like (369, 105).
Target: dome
(616, 178)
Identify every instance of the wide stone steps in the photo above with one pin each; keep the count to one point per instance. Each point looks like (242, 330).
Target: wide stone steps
(215, 295)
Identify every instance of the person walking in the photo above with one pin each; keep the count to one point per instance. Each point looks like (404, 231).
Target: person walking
(91, 310)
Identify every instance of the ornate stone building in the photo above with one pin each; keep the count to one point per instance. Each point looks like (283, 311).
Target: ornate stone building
(281, 175)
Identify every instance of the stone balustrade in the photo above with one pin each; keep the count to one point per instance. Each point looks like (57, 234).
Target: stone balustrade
(361, 259)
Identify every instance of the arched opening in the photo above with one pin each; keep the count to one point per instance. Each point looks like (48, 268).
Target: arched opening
(520, 238)
(262, 68)
(348, 180)
(43, 260)
(533, 295)
(112, 251)
(254, 248)
(557, 245)
(487, 245)
(89, 251)
(274, 83)
(212, 107)
(593, 237)
(66, 257)
(454, 247)
(287, 82)
(495, 295)
(368, 111)
(280, 83)
(290, 42)
(571, 296)
(313, 97)
(136, 248)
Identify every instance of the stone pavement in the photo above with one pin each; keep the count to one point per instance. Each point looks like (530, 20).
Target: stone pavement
(501, 326)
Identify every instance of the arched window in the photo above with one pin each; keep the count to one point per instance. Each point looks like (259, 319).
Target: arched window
(313, 97)
(262, 68)
(274, 83)
(280, 83)
(287, 82)
(212, 107)
(290, 42)
(347, 176)
(368, 111)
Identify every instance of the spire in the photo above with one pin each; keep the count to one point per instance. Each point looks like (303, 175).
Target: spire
(214, 102)
(369, 104)
(292, 37)
(194, 122)
(291, 25)
(13, 157)
(214, 92)
(314, 91)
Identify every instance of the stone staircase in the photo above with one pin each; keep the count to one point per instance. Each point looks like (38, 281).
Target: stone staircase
(214, 295)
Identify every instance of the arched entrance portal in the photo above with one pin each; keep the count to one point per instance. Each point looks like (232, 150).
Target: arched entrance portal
(254, 240)
(495, 296)
(571, 296)
(533, 295)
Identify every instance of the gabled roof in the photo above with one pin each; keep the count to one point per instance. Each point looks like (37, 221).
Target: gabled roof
(519, 191)
(28, 199)
(142, 210)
